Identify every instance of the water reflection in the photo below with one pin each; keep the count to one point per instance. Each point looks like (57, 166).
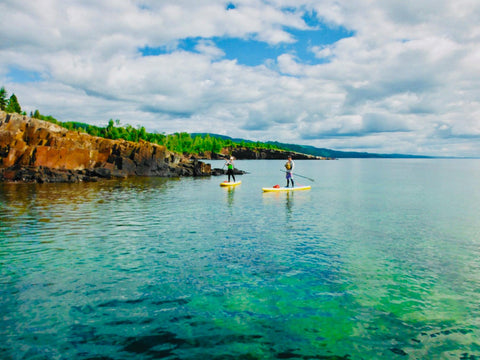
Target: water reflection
(230, 193)
(50, 209)
(22, 196)
(289, 202)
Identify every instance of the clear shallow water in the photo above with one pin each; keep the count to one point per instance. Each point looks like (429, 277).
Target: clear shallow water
(380, 260)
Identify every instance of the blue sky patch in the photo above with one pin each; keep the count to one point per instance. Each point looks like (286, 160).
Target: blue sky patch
(23, 76)
(152, 51)
(251, 52)
(248, 52)
(311, 19)
(187, 44)
(308, 39)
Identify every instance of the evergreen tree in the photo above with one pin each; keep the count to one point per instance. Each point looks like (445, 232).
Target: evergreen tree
(114, 133)
(13, 106)
(3, 98)
(197, 144)
(216, 145)
(207, 143)
(142, 133)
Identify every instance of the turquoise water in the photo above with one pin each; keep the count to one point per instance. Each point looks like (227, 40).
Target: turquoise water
(380, 260)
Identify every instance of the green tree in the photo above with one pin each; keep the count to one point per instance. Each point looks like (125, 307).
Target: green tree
(216, 145)
(207, 143)
(114, 133)
(132, 133)
(3, 98)
(157, 138)
(198, 144)
(13, 106)
(142, 133)
(185, 142)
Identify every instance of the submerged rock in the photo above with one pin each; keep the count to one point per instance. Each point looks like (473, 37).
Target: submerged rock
(33, 150)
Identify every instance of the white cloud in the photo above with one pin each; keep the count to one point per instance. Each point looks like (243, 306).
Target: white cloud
(406, 81)
(209, 48)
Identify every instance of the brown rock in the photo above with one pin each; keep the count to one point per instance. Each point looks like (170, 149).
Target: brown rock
(39, 151)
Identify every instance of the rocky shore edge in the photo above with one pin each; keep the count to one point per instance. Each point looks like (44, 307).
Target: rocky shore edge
(33, 150)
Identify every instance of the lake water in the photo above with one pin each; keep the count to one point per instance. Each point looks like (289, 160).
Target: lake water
(379, 260)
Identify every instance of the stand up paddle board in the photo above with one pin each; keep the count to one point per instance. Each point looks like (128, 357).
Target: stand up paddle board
(273, 189)
(231, 183)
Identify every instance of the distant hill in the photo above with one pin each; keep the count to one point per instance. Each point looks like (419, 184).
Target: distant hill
(312, 150)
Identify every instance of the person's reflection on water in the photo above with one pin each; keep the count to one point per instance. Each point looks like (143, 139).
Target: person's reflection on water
(289, 202)
(230, 193)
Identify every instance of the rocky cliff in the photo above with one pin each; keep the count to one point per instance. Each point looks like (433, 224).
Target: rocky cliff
(260, 154)
(247, 153)
(33, 150)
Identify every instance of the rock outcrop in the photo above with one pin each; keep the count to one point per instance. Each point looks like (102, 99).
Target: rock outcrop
(221, 171)
(33, 150)
(246, 153)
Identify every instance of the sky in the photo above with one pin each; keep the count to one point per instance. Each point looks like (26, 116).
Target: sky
(381, 76)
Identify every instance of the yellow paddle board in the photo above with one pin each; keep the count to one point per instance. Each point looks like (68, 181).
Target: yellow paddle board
(274, 189)
(231, 183)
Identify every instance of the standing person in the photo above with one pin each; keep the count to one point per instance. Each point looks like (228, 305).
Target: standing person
(289, 165)
(230, 167)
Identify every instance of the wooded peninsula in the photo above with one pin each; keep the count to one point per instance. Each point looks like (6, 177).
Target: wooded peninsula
(180, 142)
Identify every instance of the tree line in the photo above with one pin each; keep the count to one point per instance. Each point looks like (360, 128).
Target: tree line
(9, 104)
(180, 142)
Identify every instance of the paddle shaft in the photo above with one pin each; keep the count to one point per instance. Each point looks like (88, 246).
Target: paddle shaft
(299, 175)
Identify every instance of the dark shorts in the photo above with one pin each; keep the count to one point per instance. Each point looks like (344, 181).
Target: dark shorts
(289, 175)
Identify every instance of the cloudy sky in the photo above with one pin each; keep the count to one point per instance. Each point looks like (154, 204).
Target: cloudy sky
(384, 76)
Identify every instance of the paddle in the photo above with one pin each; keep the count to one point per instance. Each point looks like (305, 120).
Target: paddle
(300, 176)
